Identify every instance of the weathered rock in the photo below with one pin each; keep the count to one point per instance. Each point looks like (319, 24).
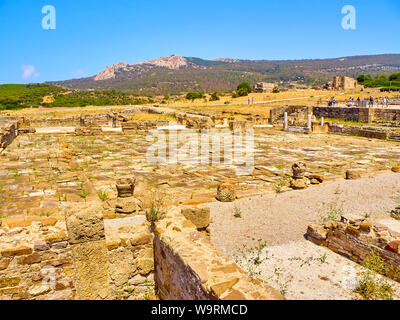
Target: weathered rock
(126, 187)
(41, 245)
(396, 169)
(393, 246)
(298, 184)
(317, 177)
(4, 263)
(30, 259)
(91, 270)
(199, 215)
(365, 226)
(17, 251)
(226, 192)
(317, 232)
(85, 225)
(127, 205)
(352, 174)
(299, 170)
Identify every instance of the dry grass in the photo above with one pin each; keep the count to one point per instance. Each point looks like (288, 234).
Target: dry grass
(263, 102)
(151, 116)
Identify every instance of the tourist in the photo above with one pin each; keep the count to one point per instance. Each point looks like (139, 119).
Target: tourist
(358, 101)
(333, 101)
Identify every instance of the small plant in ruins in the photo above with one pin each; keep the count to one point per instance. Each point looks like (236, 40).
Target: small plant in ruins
(371, 285)
(103, 195)
(83, 193)
(251, 259)
(279, 184)
(237, 212)
(332, 212)
(158, 207)
(62, 197)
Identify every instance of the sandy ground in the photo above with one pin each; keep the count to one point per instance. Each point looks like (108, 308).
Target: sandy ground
(300, 269)
(280, 218)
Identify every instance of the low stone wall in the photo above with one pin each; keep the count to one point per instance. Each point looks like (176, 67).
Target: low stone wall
(8, 132)
(195, 122)
(189, 267)
(356, 237)
(349, 114)
(367, 115)
(142, 125)
(364, 131)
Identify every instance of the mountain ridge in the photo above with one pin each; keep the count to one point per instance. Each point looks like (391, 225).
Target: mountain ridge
(175, 73)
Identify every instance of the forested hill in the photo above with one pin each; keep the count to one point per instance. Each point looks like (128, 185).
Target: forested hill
(176, 74)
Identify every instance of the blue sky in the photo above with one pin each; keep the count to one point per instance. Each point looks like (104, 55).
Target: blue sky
(91, 34)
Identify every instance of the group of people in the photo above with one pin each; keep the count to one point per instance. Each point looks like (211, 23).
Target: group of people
(331, 101)
(371, 102)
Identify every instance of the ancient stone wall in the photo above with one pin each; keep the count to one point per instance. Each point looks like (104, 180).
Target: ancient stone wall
(49, 258)
(8, 132)
(35, 260)
(356, 237)
(297, 114)
(358, 114)
(364, 131)
(142, 125)
(188, 266)
(344, 83)
(349, 114)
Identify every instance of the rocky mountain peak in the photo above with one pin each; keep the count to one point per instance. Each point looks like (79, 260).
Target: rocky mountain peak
(110, 71)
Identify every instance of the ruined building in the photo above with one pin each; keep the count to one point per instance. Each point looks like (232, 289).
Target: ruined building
(344, 83)
(263, 87)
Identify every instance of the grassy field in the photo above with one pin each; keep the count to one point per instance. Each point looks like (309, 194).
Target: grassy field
(52, 98)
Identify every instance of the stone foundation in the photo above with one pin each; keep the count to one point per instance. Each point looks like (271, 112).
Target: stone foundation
(8, 132)
(356, 237)
(188, 267)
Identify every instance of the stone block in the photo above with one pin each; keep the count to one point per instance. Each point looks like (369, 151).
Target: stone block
(298, 184)
(200, 216)
(91, 273)
(226, 192)
(17, 251)
(85, 225)
(9, 282)
(353, 174)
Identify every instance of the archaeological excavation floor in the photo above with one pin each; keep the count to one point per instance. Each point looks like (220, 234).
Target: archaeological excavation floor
(290, 262)
(40, 173)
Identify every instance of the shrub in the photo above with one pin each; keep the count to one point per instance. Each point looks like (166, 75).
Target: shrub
(275, 90)
(214, 96)
(242, 92)
(192, 95)
(244, 88)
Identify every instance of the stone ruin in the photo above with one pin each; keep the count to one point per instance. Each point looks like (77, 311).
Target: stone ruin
(126, 202)
(88, 127)
(226, 192)
(356, 237)
(298, 180)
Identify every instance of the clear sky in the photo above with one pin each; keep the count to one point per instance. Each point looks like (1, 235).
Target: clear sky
(91, 34)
